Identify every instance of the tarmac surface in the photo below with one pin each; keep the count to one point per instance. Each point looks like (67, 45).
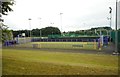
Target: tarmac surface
(105, 50)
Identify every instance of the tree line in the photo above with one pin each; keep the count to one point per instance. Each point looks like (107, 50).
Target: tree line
(5, 7)
(6, 34)
(92, 31)
(44, 32)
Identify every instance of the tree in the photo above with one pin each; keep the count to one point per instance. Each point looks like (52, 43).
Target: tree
(50, 31)
(4, 9)
(36, 32)
(6, 6)
(6, 34)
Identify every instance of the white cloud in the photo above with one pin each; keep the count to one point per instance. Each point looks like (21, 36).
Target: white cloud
(75, 13)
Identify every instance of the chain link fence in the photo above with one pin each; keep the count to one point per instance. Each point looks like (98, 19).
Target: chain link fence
(60, 45)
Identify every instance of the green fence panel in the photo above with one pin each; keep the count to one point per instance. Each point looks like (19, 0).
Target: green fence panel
(113, 38)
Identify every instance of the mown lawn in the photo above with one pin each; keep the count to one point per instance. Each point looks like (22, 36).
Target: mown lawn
(40, 62)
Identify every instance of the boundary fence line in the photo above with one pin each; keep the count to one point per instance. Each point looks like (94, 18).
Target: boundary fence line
(75, 43)
(60, 45)
(64, 40)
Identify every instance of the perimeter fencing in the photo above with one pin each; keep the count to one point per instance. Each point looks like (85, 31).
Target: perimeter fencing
(60, 45)
(93, 45)
(21, 40)
(66, 45)
(74, 43)
(90, 44)
(114, 39)
(64, 40)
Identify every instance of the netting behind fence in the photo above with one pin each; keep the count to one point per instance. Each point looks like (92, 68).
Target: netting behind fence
(61, 45)
(65, 45)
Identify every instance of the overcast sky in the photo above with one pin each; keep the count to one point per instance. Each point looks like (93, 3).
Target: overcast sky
(77, 14)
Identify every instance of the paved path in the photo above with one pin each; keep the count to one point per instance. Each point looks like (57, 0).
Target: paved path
(105, 50)
(109, 49)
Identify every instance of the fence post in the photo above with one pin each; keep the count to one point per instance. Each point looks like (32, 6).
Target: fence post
(95, 44)
(99, 44)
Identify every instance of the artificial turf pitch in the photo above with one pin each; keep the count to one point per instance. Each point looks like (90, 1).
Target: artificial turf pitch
(61, 45)
(40, 62)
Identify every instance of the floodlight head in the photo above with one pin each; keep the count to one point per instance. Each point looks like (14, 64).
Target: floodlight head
(29, 19)
(61, 13)
(110, 10)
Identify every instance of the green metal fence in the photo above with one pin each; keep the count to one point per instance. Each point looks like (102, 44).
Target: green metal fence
(113, 38)
(55, 36)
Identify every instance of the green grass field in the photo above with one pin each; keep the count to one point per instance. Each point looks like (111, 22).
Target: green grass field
(40, 62)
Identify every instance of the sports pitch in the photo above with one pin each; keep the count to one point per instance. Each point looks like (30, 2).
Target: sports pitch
(22, 61)
(62, 45)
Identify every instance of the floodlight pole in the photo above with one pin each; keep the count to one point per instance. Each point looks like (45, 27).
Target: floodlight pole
(116, 33)
(110, 21)
(40, 29)
(61, 21)
(30, 25)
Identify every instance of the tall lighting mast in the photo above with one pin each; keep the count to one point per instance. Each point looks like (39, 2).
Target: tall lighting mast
(110, 20)
(61, 21)
(40, 29)
(30, 25)
(116, 32)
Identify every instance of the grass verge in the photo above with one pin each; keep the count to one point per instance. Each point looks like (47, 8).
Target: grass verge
(37, 62)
